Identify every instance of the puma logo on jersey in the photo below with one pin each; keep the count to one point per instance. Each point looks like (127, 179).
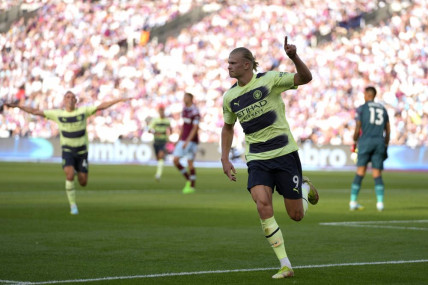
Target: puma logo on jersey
(236, 103)
(296, 190)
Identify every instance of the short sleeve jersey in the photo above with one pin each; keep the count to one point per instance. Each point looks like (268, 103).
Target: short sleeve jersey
(191, 117)
(373, 117)
(160, 127)
(72, 125)
(261, 112)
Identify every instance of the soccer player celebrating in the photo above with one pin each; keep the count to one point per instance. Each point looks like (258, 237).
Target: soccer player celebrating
(187, 146)
(271, 151)
(372, 133)
(73, 137)
(161, 128)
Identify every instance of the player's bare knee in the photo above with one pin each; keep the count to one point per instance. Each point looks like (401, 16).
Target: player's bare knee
(261, 209)
(296, 215)
(262, 204)
(297, 218)
(176, 161)
(265, 209)
(83, 182)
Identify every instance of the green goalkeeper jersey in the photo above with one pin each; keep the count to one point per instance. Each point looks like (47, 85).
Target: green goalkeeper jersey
(373, 117)
(261, 112)
(72, 127)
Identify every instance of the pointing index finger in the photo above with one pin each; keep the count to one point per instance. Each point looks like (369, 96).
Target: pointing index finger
(285, 41)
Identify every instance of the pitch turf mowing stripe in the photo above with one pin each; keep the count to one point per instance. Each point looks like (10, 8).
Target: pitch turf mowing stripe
(158, 190)
(107, 191)
(209, 272)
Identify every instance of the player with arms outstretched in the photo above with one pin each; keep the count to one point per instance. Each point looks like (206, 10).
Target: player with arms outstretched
(271, 151)
(73, 137)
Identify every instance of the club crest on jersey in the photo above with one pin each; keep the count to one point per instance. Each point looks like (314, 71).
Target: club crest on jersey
(257, 94)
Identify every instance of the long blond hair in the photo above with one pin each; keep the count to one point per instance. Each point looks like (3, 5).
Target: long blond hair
(246, 54)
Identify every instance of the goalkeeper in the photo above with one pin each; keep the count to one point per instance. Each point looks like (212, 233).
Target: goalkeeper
(372, 134)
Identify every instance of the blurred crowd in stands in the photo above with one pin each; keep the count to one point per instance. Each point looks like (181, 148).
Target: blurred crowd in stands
(97, 50)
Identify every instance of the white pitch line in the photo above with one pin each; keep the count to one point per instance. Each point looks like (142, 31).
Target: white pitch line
(379, 224)
(386, 227)
(209, 272)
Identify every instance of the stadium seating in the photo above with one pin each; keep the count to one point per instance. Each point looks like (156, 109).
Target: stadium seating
(98, 53)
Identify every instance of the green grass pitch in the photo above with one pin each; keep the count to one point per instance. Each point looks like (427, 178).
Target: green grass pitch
(133, 230)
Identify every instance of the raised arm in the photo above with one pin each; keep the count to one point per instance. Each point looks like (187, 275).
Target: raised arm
(226, 144)
(29, 110)
(303, 74)
(108, 104)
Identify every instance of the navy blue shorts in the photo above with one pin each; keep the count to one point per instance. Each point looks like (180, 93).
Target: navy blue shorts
(283, 174)
(159, 146)
(78, 161)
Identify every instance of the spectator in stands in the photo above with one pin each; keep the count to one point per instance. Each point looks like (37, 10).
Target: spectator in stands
(102, 46)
